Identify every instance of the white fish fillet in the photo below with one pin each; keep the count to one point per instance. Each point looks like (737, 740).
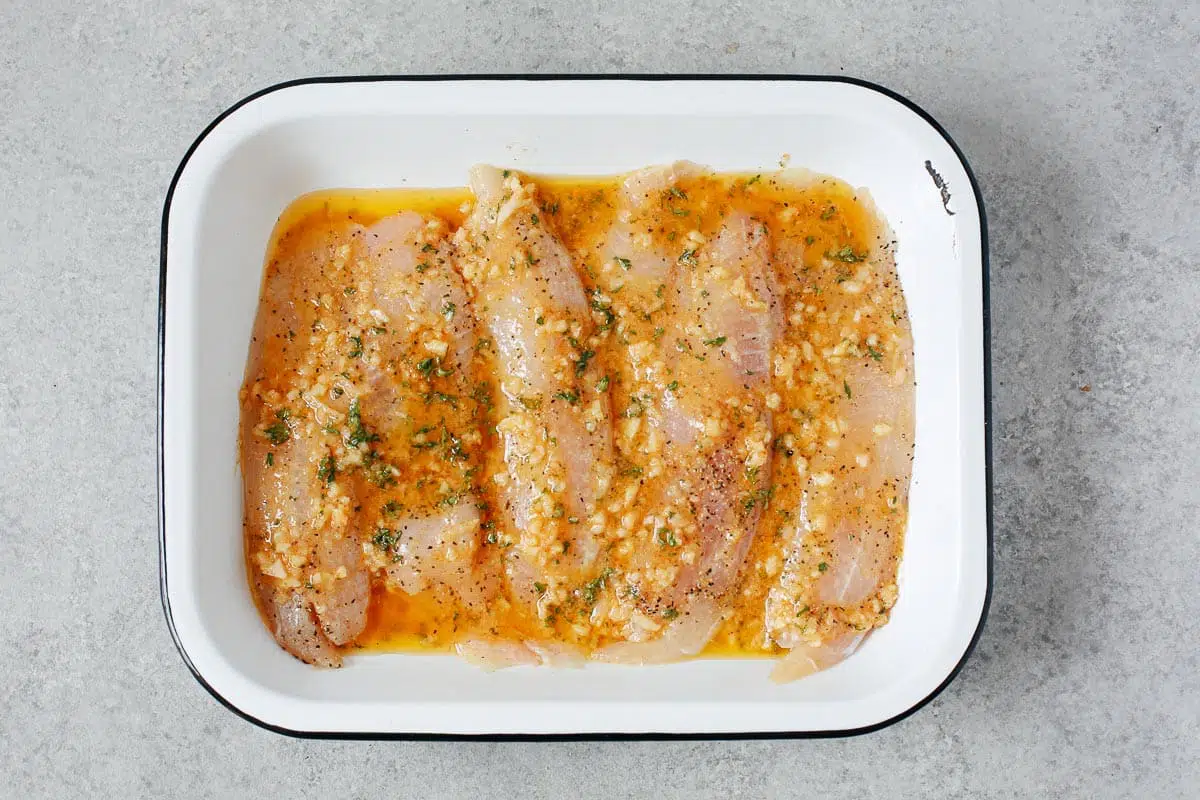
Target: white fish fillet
(683, 637)
(555, 429)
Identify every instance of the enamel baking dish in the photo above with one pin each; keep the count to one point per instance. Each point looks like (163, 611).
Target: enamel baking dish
(421, 132)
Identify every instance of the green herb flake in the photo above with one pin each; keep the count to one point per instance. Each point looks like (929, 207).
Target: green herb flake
(539, 587)
(672, 386)
(846, 389)
(602, 384)
(424, 265)
(822, 566)
(677, 192)
(716, 342)
(670, 614)
(270, 459)
(582, 364)
(277, 433)
(754, 180)
(591, 590)
(358, 433)
(809, 239)
(688, 258)
(847, 255)
(666, 537)
(571, 397)
(625, 263)
(356, 350)
(440, 397)
(349, 290)
(873, 353)
(533, 218)
(829, 212)
(384, 538)
(448, 310)
(327, 469)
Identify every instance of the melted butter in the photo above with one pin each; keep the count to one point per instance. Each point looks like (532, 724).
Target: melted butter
(825, 214)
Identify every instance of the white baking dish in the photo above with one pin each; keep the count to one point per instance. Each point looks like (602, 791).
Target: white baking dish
(294, 138)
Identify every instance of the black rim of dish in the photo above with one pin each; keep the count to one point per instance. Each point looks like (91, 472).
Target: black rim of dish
(493, 737)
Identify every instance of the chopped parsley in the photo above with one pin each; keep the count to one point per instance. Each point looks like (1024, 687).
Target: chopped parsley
(602, 384)
(327, 469)
(391, 508)
(534, 219)
(754, 180)
(482, 394)
(606, 310)
(277, 433)
(571, 397)
(717, 341)
(829, 212)
(688, 258)
(427, 248)
(358, 432)
(448, 310)
(809, 239)
(424, 265)
(539, 587)
(672, 386)
(440, 397)
(384, 538)
(822, 566)
(677, 192)
(624, 262)
(846, 389)
(666, 537)
(847, 255)
(670, 613)
(582, 364)
(873, 353)
(591, 590)
(758, 496)
(356, 350)
(270, 459)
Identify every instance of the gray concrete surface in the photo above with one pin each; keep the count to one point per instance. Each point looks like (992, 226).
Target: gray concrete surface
(1083, 125)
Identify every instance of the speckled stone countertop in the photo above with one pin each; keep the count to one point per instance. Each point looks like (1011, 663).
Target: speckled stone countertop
(1083, 126)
